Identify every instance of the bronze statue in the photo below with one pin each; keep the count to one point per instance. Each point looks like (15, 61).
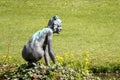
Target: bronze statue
(40, 44)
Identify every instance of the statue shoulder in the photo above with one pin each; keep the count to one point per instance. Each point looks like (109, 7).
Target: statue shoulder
(48, 30)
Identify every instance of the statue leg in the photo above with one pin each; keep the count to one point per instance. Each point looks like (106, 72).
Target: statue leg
(38, 51)
(27, 53)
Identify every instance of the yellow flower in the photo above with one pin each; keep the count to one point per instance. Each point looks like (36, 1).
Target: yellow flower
(87, 63)
(66, 55)
(86, 60)
(86, 53)
(86, 71)
(7, 58)
(3, 56)
(71, 56)
(59, 59)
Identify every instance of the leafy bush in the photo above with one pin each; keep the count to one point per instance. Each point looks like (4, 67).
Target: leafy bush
(69, 68)
(110, 68)
(42, 72)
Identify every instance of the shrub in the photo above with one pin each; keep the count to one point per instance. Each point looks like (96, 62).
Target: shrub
(42, 72)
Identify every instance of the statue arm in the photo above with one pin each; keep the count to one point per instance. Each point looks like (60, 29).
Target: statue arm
(46, 55)
(50, 50)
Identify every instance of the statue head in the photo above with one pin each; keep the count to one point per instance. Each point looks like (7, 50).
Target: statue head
(55, 24)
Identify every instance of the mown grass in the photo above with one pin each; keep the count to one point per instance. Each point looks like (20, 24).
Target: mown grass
(91, 25)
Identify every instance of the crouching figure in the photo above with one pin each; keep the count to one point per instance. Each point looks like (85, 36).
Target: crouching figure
(40, 43)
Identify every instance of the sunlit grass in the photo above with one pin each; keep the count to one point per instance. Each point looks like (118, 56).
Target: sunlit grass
(87, 25)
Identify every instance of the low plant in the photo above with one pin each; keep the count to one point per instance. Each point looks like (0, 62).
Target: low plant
(68, 68)
(42, 72)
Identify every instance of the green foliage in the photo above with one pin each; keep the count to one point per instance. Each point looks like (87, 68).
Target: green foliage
(110, 68)
(68, 69)
(42, 72)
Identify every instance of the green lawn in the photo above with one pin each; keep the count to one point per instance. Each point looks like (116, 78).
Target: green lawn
(91, 25)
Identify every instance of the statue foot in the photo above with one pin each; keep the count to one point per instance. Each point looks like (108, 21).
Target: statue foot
(31, 64)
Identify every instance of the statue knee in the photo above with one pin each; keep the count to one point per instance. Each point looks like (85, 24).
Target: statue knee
(24, 53)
